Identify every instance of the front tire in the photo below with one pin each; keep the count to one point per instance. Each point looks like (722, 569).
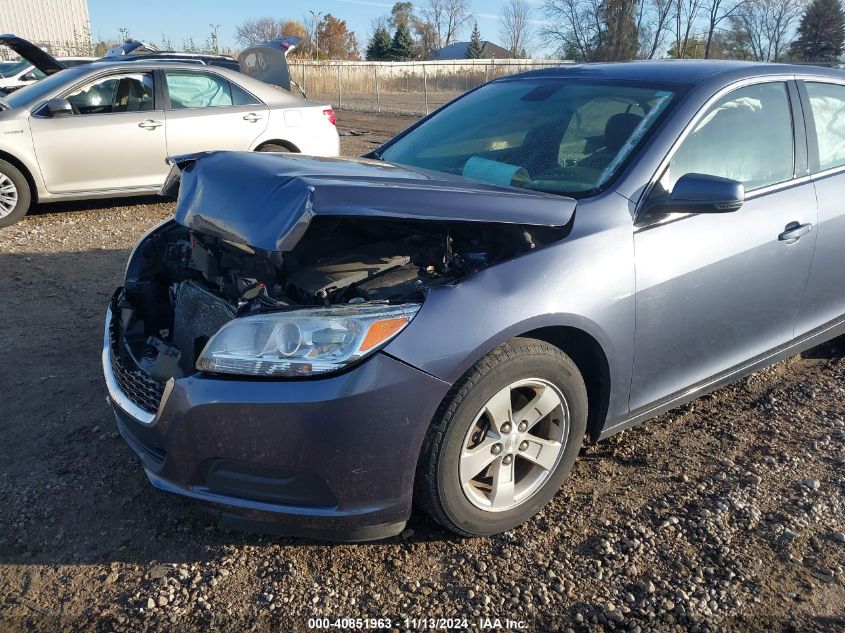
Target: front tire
(15, 196)
(504, 439)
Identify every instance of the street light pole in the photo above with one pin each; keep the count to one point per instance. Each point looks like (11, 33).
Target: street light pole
(316, 15)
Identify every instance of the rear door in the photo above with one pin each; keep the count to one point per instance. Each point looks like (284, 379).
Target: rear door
(717, 290)
(824, 105)
(206, 111)
(114, 140)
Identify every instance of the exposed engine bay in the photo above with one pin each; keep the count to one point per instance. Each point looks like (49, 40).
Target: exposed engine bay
(182, 285)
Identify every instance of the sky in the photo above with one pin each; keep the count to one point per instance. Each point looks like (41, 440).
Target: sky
(180, 19)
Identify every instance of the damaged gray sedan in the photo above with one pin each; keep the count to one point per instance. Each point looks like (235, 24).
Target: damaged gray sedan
(311, 344)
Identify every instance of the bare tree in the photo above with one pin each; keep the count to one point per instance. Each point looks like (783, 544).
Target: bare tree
(258, 30)
(516, 26)
(428, 42)
(448, 17)
(766, 25)
(687, 13)
(656, 14)
(575, 27)
(716, 12)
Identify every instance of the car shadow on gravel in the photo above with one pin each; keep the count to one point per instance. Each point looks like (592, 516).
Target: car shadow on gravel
(46, 208)
(831, 350)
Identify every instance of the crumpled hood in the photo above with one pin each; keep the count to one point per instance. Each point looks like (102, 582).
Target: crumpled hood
(267, 200)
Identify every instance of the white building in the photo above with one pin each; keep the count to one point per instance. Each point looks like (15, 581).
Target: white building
(61, 26)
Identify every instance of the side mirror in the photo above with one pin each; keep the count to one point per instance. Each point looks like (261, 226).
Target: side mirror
(59, 108)
(30, 76)
(700, 193)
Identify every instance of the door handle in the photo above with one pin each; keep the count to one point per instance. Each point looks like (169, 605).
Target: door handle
(149, 124)
(793, 231)
(252, 117)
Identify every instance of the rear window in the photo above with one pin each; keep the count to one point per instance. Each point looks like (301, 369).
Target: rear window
(558, 136)
(197, 90)
(827, 102)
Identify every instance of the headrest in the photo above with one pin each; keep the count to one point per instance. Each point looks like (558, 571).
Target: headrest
(619, 128)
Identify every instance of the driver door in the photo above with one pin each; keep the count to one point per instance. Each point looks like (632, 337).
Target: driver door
(718, 290)
(115, 140)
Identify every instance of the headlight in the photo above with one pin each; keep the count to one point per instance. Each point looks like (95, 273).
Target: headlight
(303, 342)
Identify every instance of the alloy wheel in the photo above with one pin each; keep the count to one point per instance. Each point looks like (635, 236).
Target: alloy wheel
(514, 445)
(8, 195)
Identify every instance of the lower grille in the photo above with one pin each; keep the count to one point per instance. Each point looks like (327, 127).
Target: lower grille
(152, 456)
(137, 385)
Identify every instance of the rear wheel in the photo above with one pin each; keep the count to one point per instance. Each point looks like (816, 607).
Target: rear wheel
(273, 147)
(15, 197)
(504, 440)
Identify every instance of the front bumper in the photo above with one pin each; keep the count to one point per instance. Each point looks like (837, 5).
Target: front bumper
(333, 457)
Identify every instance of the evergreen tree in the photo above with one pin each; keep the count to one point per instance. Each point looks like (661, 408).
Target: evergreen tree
(380, 47)
(475, 45)
(402, 47)
(820, 33)
(618, 37)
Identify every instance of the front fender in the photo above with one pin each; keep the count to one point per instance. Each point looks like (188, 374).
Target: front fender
(585, 283)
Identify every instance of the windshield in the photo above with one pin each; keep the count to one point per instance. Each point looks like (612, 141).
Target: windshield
(40, 90)
(553, 135)
(10, 69)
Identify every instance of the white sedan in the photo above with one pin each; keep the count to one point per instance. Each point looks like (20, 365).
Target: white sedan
(105, 129)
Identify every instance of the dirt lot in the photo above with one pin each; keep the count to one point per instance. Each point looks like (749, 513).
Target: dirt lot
(404, 103)
(727, 514)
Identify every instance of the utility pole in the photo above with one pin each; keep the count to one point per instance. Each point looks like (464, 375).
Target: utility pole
(316, 15)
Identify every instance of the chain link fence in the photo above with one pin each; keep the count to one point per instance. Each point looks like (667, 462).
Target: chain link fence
(413, 88)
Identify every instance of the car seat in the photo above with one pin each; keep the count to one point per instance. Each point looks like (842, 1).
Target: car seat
(617, 131)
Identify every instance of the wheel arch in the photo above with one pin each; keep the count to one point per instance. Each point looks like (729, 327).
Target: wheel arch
(579, 338)
(590, 358)
(30, 180)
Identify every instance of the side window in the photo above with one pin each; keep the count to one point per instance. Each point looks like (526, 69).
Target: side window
(130, 92)
(197, 90)
(745, 136)
(827, 102)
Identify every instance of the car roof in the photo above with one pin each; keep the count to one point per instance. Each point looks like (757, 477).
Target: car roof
(173, 54)
(686, 71)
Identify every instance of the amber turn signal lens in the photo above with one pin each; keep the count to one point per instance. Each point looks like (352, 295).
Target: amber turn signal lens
(381, 331)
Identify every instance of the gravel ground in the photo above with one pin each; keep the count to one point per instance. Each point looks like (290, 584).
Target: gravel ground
(726, 514)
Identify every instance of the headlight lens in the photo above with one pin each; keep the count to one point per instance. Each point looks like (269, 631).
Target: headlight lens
(303, 342)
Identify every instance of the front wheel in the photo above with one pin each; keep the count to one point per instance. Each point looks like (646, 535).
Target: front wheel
(14, 194)
(504, 439)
